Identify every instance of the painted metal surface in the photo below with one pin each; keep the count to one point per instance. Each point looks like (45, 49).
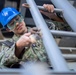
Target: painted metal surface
(52, 49)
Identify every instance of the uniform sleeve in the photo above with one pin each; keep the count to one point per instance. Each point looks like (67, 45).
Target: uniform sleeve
(7, 55)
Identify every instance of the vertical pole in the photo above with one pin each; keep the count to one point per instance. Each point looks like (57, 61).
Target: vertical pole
(51, 47)
(69, 12)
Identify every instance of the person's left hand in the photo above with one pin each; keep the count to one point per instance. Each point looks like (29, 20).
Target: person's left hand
(25, 5)
(34, 30)
(49, 7)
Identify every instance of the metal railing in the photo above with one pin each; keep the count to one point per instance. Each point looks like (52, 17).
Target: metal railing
(51, 47)
(69, 12)
(55, 55)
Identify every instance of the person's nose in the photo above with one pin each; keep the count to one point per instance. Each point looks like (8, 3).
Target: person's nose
(17, 23)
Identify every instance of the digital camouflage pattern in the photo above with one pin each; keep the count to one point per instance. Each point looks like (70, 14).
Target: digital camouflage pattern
(58, 26)
(35, 52)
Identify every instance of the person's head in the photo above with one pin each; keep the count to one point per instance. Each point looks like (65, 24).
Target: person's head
(11, 19)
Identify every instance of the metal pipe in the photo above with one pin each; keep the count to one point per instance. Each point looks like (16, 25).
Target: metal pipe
(42, 8)
(63, 33)
(68, 48)
(51, 47)
(28, 72)
(10, 72)
(55, 9)
(70, 56)
(69, 12)
(59, 33)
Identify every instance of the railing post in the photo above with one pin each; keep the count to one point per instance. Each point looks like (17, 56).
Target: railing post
(51, 47)
(69, 12)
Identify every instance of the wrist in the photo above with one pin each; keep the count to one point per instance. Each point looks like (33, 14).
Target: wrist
(18, 49)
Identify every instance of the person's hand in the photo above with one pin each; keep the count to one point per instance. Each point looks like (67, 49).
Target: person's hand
(25, 5)
(23, 41)
(34, 30)
(49, 7)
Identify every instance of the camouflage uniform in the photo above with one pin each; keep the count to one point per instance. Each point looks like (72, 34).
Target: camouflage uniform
(35, 52)
(54, 25)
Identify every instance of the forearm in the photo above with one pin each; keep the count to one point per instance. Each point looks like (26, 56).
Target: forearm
(21, 43)
(18, 49)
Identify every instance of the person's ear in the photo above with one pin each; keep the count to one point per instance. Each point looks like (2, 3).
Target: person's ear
(8, 30)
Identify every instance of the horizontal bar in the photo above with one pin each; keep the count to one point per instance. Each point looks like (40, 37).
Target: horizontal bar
(55, 9)
(70, 56)
(58, 32)
(10, 72)
(19, 72)
(62, 48)
(68, 48)
(63, 33)
(42, 8)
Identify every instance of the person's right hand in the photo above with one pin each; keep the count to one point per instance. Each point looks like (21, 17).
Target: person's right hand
(23, 41)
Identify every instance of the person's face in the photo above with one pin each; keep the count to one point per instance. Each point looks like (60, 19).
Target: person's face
(17, 25)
